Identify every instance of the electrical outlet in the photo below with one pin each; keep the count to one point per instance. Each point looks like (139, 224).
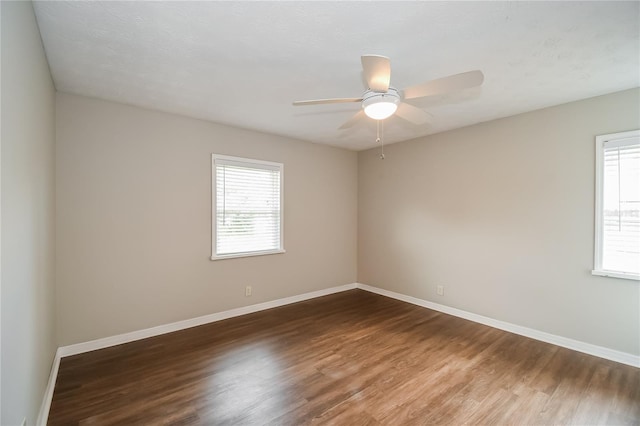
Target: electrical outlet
(440, 290)
(247, 291)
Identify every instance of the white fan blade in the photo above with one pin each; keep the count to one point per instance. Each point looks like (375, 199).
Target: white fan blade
(353, 120)
(327, 101)
(377, 72)
(412, 114)
(445, 85)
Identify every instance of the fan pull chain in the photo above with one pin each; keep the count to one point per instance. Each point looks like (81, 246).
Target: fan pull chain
(380, 123)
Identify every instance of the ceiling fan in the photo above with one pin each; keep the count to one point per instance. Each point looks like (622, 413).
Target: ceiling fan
(381, 101)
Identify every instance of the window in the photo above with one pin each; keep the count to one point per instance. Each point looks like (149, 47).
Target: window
(617, 244)
(247, 207)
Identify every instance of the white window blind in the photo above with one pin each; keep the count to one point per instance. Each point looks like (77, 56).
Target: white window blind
(247, 207)
(618, 209)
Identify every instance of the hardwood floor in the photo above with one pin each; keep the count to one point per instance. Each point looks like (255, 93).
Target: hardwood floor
(352, 358)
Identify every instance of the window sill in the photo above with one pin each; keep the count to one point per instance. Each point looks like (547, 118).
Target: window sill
(613, 274)
(250, 254)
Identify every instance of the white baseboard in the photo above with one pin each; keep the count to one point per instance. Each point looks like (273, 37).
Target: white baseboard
(43, 415)
(565, 342)
(119, 339)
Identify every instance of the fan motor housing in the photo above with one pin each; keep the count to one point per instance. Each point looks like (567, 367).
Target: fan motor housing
(370, 97)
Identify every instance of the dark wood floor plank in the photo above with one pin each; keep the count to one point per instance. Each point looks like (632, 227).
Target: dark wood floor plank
(571, 389)
(353, 358)
(527, 408)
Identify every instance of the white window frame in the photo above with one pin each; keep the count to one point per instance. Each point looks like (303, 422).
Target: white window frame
(247, 162)
(597, 262)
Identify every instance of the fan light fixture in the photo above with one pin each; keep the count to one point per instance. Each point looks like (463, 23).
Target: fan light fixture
(381, 105)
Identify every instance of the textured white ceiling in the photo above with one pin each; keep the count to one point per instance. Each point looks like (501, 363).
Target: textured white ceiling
(243, 63)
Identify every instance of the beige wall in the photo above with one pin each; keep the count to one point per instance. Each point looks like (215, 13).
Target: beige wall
(502, 215)
(28, 207)
(134, 219)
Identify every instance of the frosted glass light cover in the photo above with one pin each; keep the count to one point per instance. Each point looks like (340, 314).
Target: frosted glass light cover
(380, 110)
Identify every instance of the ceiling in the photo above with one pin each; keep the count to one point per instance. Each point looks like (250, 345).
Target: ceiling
(243, 63)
